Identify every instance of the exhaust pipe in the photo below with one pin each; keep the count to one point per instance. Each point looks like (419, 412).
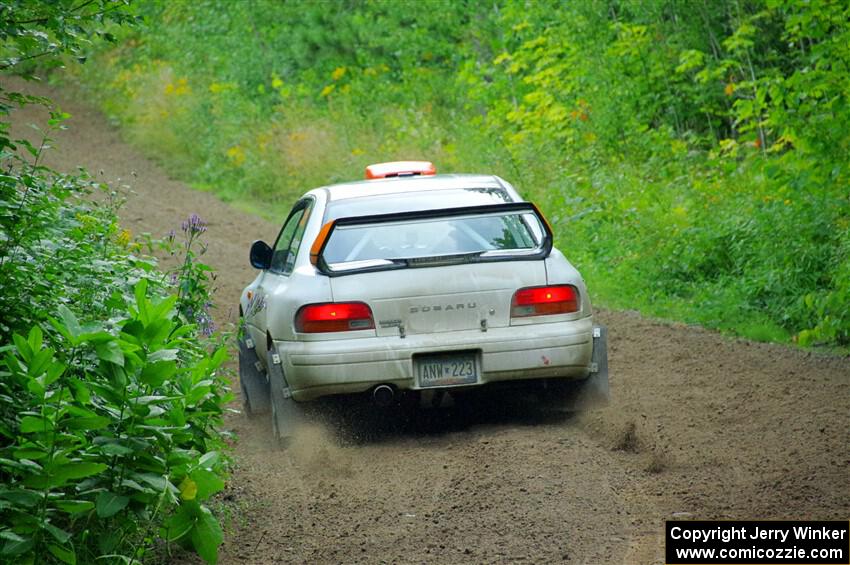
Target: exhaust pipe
(383, 395)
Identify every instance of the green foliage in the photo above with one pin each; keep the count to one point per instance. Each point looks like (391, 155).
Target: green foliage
(56, 248)
(43, 32)
(109, 398)
(691, 154)
(110, 395)
(107, 434)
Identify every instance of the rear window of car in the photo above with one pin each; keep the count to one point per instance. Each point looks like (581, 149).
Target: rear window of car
(493, 234)
(413, 201)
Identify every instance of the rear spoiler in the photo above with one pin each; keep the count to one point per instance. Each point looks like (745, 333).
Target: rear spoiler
(325, 233)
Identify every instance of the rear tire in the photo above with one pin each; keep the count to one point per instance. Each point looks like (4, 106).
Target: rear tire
(287, 414)
(252, 381)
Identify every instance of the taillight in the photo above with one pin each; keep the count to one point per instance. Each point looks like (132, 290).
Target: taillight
(544, 300)
(334, 317)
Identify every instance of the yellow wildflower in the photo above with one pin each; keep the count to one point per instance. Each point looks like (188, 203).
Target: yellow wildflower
(236, 155)
(326, 91)
(338, 73)
(182, 87)
(123, 238)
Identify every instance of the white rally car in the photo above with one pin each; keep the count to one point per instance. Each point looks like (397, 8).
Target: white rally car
(412, 284)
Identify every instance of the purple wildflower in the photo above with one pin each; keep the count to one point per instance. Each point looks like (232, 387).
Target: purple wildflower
(208, 329)
(194, 225)
(205, 323)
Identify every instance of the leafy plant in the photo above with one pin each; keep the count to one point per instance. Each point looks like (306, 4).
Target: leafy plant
(45, 31)
(193, 278)
(109, 437)
(110, 392)
(108, 420)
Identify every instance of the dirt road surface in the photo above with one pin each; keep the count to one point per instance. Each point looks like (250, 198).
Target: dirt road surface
(701, 427)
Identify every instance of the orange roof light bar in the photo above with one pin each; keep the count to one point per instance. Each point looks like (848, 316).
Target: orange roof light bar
(400, 169)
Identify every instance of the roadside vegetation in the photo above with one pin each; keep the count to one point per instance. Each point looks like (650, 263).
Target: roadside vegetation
(692, 155)
(110, 376)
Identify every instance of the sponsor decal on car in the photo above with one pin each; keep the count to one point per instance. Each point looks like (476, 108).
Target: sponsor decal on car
(256, 303)
(442, 308)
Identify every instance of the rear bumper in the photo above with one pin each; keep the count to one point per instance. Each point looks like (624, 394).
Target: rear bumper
(552, 350)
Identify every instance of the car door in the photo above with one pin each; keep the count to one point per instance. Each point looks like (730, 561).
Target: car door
(276, 278)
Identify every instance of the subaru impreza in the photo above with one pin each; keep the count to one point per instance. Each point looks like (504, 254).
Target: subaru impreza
(414, 285)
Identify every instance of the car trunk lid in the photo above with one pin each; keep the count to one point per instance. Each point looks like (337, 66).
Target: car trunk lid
(440, 299)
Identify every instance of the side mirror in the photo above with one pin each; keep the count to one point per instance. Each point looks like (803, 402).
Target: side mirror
(261, 255)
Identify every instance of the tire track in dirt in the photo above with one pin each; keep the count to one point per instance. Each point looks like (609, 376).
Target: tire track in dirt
(701, 426)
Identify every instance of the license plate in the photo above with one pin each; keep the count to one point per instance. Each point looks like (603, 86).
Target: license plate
(446, 370)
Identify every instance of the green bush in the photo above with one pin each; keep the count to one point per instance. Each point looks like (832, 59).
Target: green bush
(110, 390)
(108, 415)
(109, 395)
(109, 440)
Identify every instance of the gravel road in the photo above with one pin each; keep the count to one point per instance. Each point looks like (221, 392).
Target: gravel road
(701, 426)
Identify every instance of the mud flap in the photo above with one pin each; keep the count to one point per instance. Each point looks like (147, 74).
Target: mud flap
(587, 394)
(287, 414)
(252, 380)
(594, 392)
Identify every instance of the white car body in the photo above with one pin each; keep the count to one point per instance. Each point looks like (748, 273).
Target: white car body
(418, 312)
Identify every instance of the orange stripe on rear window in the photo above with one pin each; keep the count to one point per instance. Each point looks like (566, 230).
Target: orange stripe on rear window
(544, 218)
(320, 241)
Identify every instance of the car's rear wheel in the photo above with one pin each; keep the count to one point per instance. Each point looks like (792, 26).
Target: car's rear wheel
(252, 381)
(287, 414)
